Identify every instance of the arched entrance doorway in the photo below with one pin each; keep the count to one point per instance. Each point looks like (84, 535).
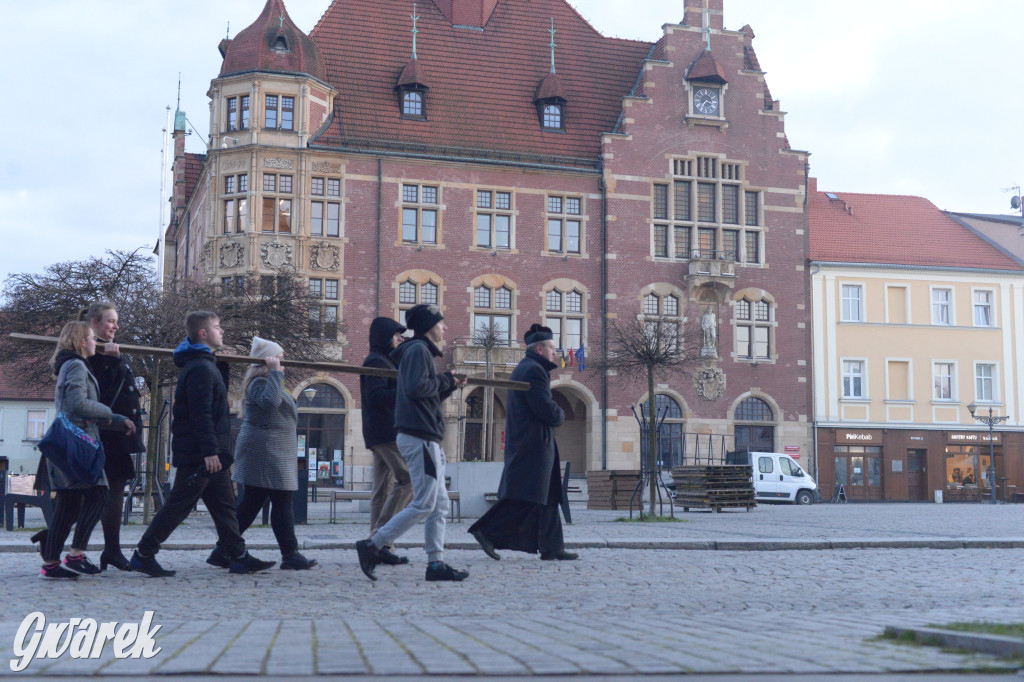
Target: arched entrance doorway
(473, 435)
(321, 426)
(755, 426)
(572, 435)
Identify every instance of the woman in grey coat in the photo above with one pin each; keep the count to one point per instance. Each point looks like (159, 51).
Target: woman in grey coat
(265, 454)
(77, 503)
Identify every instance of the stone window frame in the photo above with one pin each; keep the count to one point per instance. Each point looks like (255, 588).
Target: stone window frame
(419, 207)
(563, 216)
(494, 210)
(494, 283)
(418, 279)
(752, 296)
(565, 286)
(326, 192)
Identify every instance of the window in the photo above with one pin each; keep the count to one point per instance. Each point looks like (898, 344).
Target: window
(669, 415)
(942, 380)
(551, 116)
(661, 318)
(853, 295)
(564, 315)
(984, 382)
(564, 224)
(277, 211)
(412, 293)
(853, 379)
(942, 306)
(753, 329)
(279, 112)
(983, 309)
(325, 207)
(323, 310)
(35, 424)
(412, 104)
(709, 191)
(968, 466)
(238, 112)
(419, 214)
(492, 314)
(493, 219)
(756, 433)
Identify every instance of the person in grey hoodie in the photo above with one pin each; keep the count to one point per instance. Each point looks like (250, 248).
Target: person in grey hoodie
(420, 427)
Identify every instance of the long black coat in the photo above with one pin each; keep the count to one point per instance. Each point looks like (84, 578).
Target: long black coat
(531, 456)
(118, 392)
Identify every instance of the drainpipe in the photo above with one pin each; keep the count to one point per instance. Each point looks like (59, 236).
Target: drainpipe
(604, 323)
(380, 209)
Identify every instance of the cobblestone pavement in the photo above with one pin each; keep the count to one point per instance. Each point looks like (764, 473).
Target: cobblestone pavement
(649, 610)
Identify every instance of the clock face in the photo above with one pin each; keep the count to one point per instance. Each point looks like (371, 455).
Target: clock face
(705, 101)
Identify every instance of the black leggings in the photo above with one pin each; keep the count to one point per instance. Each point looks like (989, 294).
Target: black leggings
(111, 518)
(282, 514)
(80, 507)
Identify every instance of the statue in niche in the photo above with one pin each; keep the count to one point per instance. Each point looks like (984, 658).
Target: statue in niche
(709, 333)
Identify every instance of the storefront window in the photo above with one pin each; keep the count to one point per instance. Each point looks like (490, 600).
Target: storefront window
(967, 466)
(858, 465)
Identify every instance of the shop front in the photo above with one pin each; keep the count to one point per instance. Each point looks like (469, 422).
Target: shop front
(968, 465)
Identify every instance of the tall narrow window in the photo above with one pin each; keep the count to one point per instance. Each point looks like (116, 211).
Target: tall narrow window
(493, 219)
(419, 214)
(232, 114)
(852, 309)
(492, 315)
(982, 308)
(753, 329)
(853, 378)
(270, 112)
(325, 207)
(943, 381)
(984, 382)
(564, 315)
(942, 306)
(243, 105)
(287, 113)
(564, 224)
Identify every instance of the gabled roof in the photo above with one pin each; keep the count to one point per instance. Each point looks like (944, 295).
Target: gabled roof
(255, 48)
(11, 390)
(483, 81)
(894, 230)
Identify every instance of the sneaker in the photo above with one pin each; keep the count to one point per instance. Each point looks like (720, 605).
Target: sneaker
(297, 562)
(369, 557)
(386, 556)
(247, 563)
(439, 570)
(55, 571)
(81, 565)
(560, 555)
(149, 566)
(486, 545)
(219, 558)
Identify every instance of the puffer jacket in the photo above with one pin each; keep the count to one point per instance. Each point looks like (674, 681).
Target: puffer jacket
(201, 426)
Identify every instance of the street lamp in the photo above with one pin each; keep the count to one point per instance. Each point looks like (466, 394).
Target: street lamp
(991, 421)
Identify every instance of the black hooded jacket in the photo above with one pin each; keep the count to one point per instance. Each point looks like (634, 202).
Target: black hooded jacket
(420, 390)
(202, 416)
(378, 393)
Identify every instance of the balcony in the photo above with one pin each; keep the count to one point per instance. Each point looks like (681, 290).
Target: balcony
(477, 355)
(711, 267)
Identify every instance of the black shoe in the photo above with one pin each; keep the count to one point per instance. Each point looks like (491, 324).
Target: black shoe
(81, 565)
(560, 555)
(247, 563)
(369, 557)
(439, 570)
(113, 557)
(486, 545)
(149, 566)
(219, 558)
(55, 571)
(386, 556)
(297, 562)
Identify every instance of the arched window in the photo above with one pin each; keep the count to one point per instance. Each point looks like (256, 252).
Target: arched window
(412, 103)
(492, 314)
(661, 317)
(564, 313)
(753, 320)
(415, 288)
(757, 434)
(552, 116)
(321, 425)
(670, 430)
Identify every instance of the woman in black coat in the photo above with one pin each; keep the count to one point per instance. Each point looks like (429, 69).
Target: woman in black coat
(120, 393)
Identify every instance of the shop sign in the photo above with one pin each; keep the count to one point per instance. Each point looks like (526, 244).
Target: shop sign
(960, 437)
(858, 436)
(793, 451)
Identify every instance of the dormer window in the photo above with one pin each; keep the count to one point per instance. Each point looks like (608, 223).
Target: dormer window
(412, 104)
(550, 101)
(280, 44)
(412, 90)
(551, 116)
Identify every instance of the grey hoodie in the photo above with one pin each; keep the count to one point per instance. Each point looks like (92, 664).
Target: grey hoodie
(420, 390)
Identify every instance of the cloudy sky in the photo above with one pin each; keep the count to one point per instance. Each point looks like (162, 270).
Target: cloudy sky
(895, 97)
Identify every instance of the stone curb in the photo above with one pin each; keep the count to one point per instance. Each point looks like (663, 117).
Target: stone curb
(8, 547)
(997, 645)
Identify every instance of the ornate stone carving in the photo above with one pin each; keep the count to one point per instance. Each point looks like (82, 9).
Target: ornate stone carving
(710, 383)
(233, 164)
(276, 254)
(232, 255)
(280, 164)
(324, 256)
(326, 167)
(709, 333)
(207, 252)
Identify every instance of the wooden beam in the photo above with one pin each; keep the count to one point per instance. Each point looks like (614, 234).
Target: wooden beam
(334, 367)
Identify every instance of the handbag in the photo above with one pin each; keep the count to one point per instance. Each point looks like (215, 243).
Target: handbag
(69, 448)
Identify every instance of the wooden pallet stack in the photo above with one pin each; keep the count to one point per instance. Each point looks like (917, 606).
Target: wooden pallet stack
(611, 489)
(718, 486)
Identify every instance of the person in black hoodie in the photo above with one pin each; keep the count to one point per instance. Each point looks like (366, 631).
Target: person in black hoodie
(420, 427)
(392, 488)
(201, 452)
(119, 392)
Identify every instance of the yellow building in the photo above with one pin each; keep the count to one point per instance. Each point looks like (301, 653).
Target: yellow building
(917, 319)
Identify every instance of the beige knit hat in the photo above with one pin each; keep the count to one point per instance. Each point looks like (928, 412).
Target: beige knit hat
(264, 348)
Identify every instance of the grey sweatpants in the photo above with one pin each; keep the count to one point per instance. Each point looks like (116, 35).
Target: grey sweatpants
(429, 504)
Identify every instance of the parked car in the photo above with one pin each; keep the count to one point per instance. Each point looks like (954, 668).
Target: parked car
(777, 477)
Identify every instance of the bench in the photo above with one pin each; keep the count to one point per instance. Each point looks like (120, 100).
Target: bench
(454, 501)
(21, 496)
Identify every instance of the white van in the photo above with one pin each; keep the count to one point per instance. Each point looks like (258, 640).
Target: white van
(777, 477)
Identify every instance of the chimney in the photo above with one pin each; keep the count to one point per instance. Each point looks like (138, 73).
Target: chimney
(473, 13)
(694, 13)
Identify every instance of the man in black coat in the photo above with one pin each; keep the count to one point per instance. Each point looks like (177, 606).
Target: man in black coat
(525, 518)
(392, 488)
(201, 452)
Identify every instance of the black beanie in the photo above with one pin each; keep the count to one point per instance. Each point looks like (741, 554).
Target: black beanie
(538, 333)
(422, 318)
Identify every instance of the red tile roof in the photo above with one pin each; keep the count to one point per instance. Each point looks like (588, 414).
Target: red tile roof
(412, 74)
(10, 389)
(193, 167)
(706, 68)
(549, 88)
(253, 49)
(894, 229)
(482, 81)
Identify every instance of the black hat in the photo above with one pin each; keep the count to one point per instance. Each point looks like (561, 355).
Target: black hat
(422, 318)
(538, 333)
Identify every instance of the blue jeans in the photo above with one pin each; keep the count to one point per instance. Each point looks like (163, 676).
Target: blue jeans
(429, 504)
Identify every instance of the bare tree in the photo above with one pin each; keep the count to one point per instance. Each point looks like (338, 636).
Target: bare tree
(641, 349)
(488, 338)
